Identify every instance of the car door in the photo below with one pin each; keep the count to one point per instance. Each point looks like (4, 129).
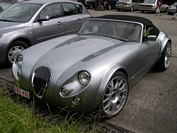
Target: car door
(135, 4)
(51, 28)
(73, 17)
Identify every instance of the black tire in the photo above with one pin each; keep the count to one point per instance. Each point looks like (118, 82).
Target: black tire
(115, 94)
(14, 49)
(118, 9)
(132, 9)
(142, 11)
(91, 6)
(165, 59)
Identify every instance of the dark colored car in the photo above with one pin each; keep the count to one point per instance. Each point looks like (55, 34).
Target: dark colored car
(88, 3)
(29, 22)
(107, 4)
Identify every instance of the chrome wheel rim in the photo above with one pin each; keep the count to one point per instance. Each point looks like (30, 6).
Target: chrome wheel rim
(13, 52)
(115, 96)
(168, 56)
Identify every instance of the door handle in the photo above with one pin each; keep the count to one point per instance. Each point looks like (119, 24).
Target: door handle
(60, 23)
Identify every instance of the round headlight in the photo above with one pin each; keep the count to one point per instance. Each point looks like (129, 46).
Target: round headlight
(84, 78)
(19, 60)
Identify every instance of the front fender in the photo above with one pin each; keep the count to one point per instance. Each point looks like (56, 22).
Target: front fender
(106, 79)
(164, 39)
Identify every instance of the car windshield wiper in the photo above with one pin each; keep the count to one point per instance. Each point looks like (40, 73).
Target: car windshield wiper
(5, 20)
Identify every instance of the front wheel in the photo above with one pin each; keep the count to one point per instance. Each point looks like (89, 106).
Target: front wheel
(115, 94)
(14, 49)
(165, 60)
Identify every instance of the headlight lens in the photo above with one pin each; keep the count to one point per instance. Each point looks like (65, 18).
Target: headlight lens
(84, 78)
(19, 59)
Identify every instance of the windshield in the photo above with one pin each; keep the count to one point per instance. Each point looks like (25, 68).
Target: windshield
(150, 1)
(20, 12)
(125, 31)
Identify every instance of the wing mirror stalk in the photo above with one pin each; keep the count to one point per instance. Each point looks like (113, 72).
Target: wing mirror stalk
(43, 18)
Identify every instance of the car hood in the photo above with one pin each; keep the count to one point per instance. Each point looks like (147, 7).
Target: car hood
(9, 26)
(74, 50)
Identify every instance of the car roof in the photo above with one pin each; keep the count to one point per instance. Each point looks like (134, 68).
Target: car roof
(142, 20)
(45, 1)
(146, 22)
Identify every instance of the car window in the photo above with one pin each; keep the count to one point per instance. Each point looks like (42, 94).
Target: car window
(124, 0)
(135, 1)
(79, 8)
(150, 1)
(125, 31)
(21, 12)
(52, 10)
(5, 5)
(70, 9)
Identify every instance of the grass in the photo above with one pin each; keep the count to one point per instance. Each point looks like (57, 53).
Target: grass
(19, 117)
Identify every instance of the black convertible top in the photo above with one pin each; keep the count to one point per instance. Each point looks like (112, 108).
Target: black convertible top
(142, 20)
(146, 22)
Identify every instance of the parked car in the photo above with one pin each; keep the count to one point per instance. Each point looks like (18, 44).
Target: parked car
(4, 5)
(88, 3)
(110, 4)
(172, 9)
(151, 5)
(127, 5)
(27, 23)
(95, 68)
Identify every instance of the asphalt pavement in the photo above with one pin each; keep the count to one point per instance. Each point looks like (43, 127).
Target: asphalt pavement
(151, 105)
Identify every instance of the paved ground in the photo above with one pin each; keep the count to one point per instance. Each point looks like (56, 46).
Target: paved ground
(151, 106)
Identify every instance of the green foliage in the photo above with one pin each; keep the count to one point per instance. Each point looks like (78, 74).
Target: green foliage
(18, 117)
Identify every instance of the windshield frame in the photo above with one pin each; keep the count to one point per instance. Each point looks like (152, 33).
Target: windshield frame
(119, 28)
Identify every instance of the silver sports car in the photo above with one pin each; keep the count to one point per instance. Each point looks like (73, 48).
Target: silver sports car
(94, 68)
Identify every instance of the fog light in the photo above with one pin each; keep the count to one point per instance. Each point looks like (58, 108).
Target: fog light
(76, 100)
(65, 92)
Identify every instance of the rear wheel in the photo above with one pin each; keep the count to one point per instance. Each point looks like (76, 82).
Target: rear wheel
(14, 49)
(131, 9)
(142, 11)
(165, 60)
(115, 94)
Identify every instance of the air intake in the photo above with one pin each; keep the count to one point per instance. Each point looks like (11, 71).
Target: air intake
(41, 78)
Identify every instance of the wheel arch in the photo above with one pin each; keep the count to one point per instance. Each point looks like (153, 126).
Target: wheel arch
(106, 79)
(23, 39)
(165, 41)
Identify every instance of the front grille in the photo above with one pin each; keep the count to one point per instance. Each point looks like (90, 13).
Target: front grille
(41, 80)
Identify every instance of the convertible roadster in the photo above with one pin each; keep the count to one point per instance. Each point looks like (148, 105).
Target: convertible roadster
(95, 68)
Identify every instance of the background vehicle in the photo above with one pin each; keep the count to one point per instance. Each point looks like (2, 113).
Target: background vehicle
(172, 9)
(110, 4)
(4, 5)
(88, 3)
(94, 68)
(151, 5)
(27, 23)
(127, 5)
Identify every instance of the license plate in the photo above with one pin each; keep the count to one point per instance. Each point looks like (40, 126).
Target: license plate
(21, 92)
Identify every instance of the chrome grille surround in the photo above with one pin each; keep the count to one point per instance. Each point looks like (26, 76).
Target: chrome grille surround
(40, 81)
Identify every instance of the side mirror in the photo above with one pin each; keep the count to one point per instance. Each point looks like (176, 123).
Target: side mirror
(43, 18)
(151, 38)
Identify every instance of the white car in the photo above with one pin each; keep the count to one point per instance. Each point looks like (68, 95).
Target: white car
(151, 5)
(172, 9)
(127, 5)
